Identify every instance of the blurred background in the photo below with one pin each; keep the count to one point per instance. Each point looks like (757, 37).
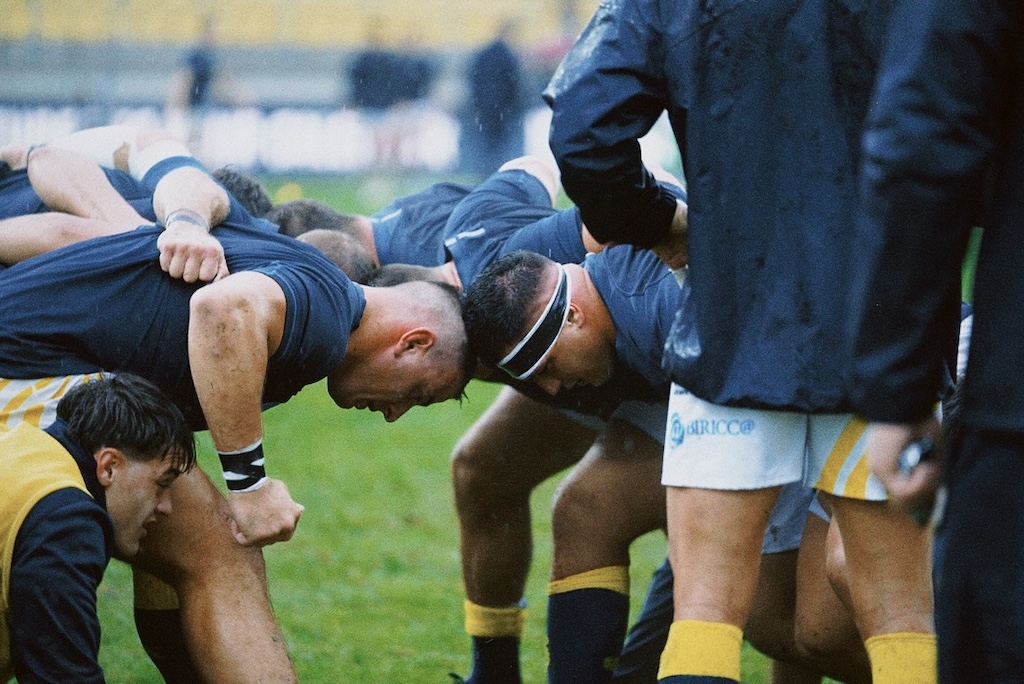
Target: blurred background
(281, 86)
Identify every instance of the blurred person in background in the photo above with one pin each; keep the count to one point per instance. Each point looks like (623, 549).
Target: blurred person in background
(384, 87)
(492, 123)
(200, 82)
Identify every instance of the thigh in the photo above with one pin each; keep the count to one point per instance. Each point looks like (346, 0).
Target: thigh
(196, 537)
(518, 443)
(618, 483)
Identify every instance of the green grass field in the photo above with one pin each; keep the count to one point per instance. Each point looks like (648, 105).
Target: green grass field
(369, 590)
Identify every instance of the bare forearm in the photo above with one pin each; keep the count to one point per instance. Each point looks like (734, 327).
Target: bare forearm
(191, 189)
(69, 182)
(22, 237)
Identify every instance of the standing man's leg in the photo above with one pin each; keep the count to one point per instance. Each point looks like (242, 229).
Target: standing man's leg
(724, 468)
(887, 554)
(715, 547)
(514, 446)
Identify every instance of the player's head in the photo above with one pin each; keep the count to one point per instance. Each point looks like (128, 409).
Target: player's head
(422, 358)
(523, 316)
(141, 443)
(303, 215)
(396, 274)
(246, 189)
(342, 249)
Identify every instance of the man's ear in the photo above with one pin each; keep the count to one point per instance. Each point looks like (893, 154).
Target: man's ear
(417, 339)
(108, 462)
(575, 316)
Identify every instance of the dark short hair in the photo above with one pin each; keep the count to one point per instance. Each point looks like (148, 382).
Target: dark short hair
(303, 215)
(499, 301)
(343, 250)
(129, 413)
(246, 189)
(396, 274)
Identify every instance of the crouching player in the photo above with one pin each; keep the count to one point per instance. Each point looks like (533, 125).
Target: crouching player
(76, 493)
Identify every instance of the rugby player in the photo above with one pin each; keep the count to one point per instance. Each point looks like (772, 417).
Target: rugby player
(82, 489)
(569, 325)
(943, 152)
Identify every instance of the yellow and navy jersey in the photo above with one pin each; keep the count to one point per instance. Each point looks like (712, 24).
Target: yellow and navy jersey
(54, 533)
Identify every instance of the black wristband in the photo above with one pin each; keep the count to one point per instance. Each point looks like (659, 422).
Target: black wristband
(243, 470)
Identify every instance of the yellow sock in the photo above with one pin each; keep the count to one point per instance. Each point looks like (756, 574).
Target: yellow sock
(482, 621)
(151, 593)
(706, 649)
(903, 658)
(613, 578)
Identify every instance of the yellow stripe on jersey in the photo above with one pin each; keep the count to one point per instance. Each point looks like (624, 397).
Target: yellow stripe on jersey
(35, 401)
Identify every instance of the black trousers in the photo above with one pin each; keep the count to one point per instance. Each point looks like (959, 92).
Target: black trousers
(979, 565)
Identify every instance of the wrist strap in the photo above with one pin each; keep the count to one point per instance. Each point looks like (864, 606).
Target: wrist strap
(243, 469)
(188, 216)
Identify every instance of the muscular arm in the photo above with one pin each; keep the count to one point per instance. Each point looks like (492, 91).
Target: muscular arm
(69, 182)
(67, 178)
(235, 326)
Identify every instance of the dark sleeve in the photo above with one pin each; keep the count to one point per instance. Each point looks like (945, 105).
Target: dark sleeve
(928, 143)
(606, 95)
(558, 237)
(59, 558)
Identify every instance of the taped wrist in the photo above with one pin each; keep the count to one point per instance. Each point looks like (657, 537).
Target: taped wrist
(188, 216)
(243, 469)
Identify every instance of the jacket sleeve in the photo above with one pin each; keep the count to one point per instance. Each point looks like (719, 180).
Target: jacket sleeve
(59, 559)
(928, 146)
(607, 94)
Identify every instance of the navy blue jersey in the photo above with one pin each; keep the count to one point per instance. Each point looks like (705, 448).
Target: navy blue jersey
(642, 296)
(18, 198)
(105, 304)
(508, 212)
(410, 229)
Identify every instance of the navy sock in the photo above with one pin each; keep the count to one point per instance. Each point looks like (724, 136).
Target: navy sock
(586, 628)
(495, 661)
(695, 679)
(641, 654)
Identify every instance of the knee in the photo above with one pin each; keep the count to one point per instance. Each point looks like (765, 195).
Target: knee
(773, 637)
(480, 482)
(576, 512)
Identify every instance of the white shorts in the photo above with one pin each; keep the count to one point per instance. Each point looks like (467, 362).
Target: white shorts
(722, 447)
(35, 401)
